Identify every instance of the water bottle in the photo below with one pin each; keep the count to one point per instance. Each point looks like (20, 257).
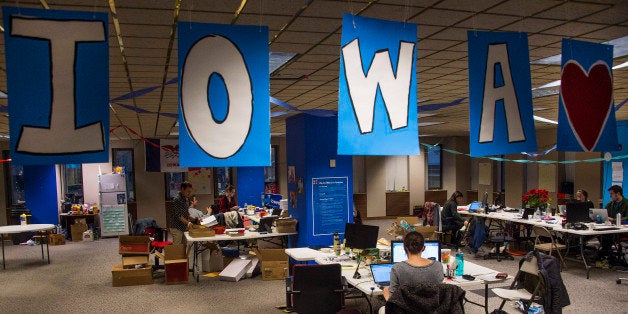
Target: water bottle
(618, 220)
(460, 263)
(23, 219)
(336, 243)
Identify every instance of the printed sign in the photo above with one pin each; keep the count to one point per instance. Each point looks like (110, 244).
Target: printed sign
(58, 78)
(586, 113)
(500, 94)
(377, 106)
(330, 205)
(224, 108)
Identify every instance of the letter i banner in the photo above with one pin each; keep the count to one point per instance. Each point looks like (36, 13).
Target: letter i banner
(224, 95)
(500, 94)
(586, 114)
(58, 82)
(377, 107)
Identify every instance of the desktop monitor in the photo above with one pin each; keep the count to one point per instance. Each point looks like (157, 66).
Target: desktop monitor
(577, 212)
(361, 236)
(266, 224)
(398, 254)
(276, 212)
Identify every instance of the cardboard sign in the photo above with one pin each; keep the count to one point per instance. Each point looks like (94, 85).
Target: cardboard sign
(377, 101)
(586, 111)
(500, 94)
(58, 75)
(224, 109)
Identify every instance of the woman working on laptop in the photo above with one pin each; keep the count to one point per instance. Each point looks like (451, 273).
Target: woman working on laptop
(415, 268)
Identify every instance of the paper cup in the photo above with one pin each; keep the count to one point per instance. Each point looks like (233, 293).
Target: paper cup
(445, 256)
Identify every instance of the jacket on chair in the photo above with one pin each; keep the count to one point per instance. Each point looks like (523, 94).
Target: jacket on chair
(426, 298)
(555, 296)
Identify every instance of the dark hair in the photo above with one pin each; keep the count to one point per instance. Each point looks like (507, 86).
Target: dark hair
(413, 243)
(455, 196)
(229, 188)
(586, 195)
(617, 189)
(185, 185)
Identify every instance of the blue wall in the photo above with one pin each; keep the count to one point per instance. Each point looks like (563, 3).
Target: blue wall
(250, 185)
(310, 143)
(622, 139)
(40, 189)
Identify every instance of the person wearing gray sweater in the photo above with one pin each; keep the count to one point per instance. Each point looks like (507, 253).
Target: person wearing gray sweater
(415, 268)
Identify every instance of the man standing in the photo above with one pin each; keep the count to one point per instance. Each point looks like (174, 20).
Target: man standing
(179, 215)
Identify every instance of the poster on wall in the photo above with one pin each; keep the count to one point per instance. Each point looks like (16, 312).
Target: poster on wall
(201, 179)
(377, 95)
(162, 155)
(57, 67)
(500, 94)
(330, 205)
(586, 113)
(224, 95)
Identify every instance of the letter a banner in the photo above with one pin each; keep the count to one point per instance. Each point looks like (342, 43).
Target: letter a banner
(58, 82)
(377, 107)
(224, 95)
(500, 94)
(586, 114)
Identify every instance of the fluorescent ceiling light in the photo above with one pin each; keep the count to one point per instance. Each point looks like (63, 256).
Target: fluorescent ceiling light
(539, 109)
(3, 95)
(620, 49)
(429, 123)
(277, 134)
(174, 133)
(423, 100)
(425, 115)
(426, 135)
(277, 59)
(541, 119)
(619, 66)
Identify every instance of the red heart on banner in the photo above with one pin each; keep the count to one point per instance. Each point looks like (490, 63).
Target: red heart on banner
(587, 98)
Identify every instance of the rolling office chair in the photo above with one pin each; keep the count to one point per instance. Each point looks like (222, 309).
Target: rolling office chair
(316, 289)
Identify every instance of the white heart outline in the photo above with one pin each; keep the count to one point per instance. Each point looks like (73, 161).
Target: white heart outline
(610, 106)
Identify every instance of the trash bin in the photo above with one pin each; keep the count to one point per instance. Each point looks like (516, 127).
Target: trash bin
(14, 219)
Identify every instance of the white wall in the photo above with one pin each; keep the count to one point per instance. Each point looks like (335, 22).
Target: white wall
(396, 173)
(376, 186)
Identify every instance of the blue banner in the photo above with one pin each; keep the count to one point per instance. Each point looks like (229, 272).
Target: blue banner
(377, 98)
(224, 110)
(500, 94)
(330, 205)
(58, 77)
(586, 115)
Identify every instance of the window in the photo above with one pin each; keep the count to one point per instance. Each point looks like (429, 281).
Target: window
(173, 184)
(73, 181)
(434, 168)
(222, 177)
(270, 173)
(124, 157)
(14, 178)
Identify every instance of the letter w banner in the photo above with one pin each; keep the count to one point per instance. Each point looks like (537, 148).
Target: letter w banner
(58, 78)
(500, 94)
(224, 95)
(586, 115)
(377, 107)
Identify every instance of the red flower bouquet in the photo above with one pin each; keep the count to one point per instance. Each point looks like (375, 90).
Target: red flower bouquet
(537, 198)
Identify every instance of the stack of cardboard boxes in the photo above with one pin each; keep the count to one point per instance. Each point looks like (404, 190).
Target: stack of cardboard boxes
(176, 263)
(134, 269)
(77, 229)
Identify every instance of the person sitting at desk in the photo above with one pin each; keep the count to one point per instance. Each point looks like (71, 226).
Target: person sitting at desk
(230, 219)
(195, 214)
(583, 196)
(228, 202)
(617, 204)
(415, 268)
(451, 219)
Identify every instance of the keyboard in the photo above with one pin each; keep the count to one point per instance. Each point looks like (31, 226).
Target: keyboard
(605, 228)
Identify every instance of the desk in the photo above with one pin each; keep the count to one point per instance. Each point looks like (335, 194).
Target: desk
(26, 228)
(195, 243)
(65, 217)
(304, 254)
(556, 227)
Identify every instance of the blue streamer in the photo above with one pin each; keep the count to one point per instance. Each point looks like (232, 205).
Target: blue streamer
(433, 107)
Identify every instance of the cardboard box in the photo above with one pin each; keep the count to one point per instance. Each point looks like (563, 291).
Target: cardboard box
(175, 263)
(139, 245)
(77, 230)
(212, 259)
(56, 239)
(202, 233)
(286, 225)
(274, 263)
(88, 235)
(130, 261)
(411, 220)
(235, 270)
(131, 277)
(253, 267)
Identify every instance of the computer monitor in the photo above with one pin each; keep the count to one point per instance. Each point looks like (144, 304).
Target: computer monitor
(398, 254)
(266, 224)
(276, 211)
(577, 212)
(361, 236)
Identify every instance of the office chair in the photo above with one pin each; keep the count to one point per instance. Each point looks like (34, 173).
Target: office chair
(533, 286)
(316, 289)
(542, 232)
(424, 297)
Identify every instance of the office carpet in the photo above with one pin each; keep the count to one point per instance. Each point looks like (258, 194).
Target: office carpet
(79, 280)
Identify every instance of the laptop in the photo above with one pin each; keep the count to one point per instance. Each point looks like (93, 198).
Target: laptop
(527, 212)
(602, 212)
(381, 274)
(473, 207)
(398, 254)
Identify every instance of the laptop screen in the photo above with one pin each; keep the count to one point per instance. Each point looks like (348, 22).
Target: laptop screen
(381, 272)
(432, 251)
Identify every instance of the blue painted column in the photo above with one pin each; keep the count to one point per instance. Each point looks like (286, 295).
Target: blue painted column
(250, 185)
(622, 138)
(40, 191)
(311, 142)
